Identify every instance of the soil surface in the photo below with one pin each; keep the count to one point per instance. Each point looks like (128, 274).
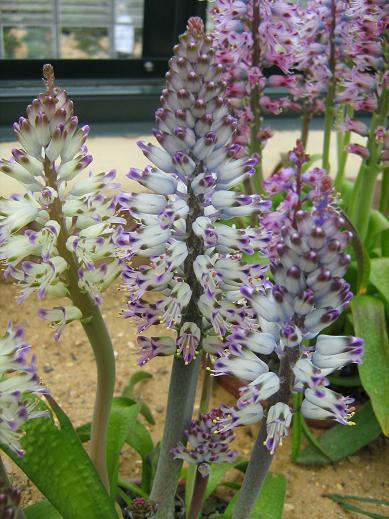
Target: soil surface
(67, 368)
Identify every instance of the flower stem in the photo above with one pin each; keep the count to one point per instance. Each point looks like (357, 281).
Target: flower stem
(181, 397)
(97, 333)
(343, 142)
(364, 187)
(200, 487)
(100, 341)
(255, 475)
(261, 458)
(296, 426)
(206, 391)
(305, 122)
(5, 484)
(329, 111)
(384, 198)
(255, 95)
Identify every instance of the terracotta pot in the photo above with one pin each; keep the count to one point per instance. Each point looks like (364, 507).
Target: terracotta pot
(232, 385)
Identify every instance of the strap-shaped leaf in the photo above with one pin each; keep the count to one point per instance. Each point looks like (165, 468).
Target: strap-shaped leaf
(379, 276)
(342, 441)
(42, 510)
(123, 414)
(370, 324)
(270, 502)
(346, 502)
(58, 465)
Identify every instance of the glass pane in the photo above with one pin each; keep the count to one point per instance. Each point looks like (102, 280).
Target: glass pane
(128, 28)
(27, 42)
(74, 29)
(84, 43)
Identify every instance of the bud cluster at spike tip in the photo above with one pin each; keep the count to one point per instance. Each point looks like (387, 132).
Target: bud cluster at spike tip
(207, 443)
(193, 261)
(19, 388)
(307, 293)
(141, 508)
(62, 214)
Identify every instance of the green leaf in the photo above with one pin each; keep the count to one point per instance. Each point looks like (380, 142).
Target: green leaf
(128, 392)
(41, 510)
(137, 377)
(139, 439)
(313, 441)
(377, 224)
(270, 502)
(342, 441)
(345, 381)
(58, 465)
(343, 501)
(385, 243)
(379, 276)
(123, 414)
(369, 323)
(218, 471)
(362, 257)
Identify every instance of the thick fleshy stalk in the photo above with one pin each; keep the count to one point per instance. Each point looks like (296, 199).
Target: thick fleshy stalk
(95, 328)
(365, 184)
(384, 200)
(59, 237)
(329, 103)
(255, 145)
(182, 391)
(343, 140)
(262, 456)
(193, 262)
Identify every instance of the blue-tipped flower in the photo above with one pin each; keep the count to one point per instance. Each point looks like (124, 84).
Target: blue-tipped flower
(308, 260)
(193, 260)
(279, 418)
(324, 404)
(73, 223)
(19, 388)
(208, 443)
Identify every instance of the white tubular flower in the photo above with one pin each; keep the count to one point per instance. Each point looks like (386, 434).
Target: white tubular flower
(188, 341)
(324, 404)
(74, 224)
(334, 352)
(177, 229)
(19, 388)
(151, 347)
(60, 316)
(308, 374)
(248, 410)
(242, 363)
(279, 418)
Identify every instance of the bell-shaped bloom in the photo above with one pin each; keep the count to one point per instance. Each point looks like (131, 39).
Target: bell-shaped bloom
(279, 418)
